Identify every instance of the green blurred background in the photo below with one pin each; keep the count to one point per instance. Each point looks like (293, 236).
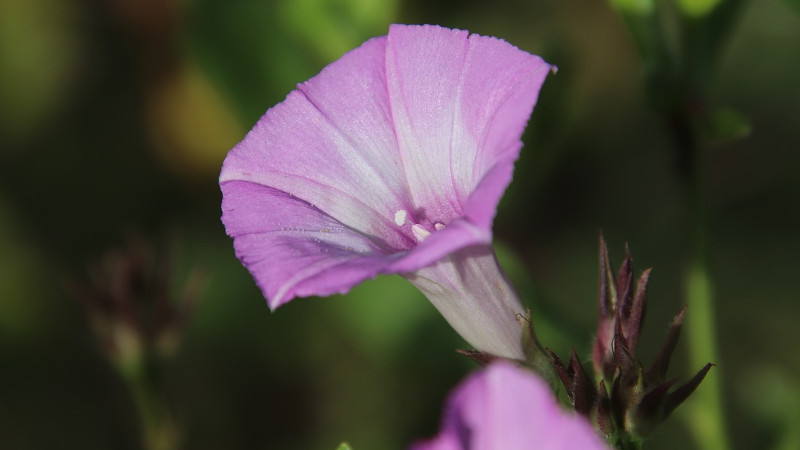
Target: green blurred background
(115, 116)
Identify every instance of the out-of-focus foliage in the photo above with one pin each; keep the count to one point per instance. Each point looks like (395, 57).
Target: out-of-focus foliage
(115, 115)
(726, 125)
(39, 51)
(698, 8)
(794, 3)
(332, 27)
(21, 287)
(191, 124)
(640, 7)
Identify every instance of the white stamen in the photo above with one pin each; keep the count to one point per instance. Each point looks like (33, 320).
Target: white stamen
(438, 226)
(400, 217)
(420, 232)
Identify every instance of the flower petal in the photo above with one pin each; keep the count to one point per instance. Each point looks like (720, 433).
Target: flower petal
(460, 104)
(293, 249)
(331, 144)
(504, 407)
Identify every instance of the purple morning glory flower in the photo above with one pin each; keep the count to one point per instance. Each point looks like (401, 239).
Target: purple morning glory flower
(508, 408)
(391, 160)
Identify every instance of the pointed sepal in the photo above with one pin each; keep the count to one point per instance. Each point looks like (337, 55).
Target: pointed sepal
(561, 370)
(658, 371)
(607, 297)
(634, 318)
(479, 357)
(582, 392)
(625, 284)
(682, 393)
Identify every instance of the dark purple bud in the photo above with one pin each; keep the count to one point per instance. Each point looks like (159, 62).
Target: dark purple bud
(625, 284)
(607, 294)
(623, 359)
(632, 323)
(601, 350)
(604, 417)
(582, 390)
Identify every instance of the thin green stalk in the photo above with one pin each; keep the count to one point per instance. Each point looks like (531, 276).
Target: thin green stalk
(678, 77)
(701, 41)
(706, 416)
(706, 413)
(158, 428)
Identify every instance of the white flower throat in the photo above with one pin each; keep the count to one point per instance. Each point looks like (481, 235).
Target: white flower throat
(418, 230)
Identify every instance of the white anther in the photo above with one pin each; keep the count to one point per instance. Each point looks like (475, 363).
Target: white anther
(438, 226)
(420, 232)
(400, 217)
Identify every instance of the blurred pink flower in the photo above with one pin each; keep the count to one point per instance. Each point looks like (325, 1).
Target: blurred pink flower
(391, 160)
(508, 408)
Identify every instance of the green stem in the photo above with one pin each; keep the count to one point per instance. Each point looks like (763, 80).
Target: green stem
(706, 417)
(158, 427)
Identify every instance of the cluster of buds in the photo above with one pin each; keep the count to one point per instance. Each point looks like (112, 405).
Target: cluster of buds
(129, 301)
(629, 400)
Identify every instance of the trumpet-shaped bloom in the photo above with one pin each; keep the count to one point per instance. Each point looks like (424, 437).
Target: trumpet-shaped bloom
(391, 160)
(504, 407)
